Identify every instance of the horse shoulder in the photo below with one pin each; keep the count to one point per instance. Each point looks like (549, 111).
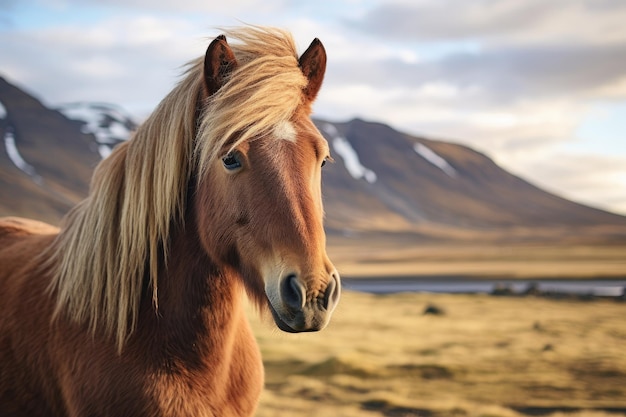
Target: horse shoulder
(21, 241)
(18, 226)
(25, 311)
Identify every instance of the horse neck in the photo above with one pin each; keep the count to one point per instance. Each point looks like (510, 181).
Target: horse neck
(198, 304)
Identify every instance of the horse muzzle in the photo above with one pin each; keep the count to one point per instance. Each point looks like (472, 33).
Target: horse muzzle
(296, 308)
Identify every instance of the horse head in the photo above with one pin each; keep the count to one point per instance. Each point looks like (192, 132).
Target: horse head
(258, 200)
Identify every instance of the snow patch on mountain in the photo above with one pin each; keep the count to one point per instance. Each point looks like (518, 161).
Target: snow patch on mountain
(109, 124)
(349, 156)
(430, 156)
(16, 157)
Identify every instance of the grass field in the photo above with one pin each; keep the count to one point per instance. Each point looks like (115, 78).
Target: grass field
(485, 356)
(484, 260)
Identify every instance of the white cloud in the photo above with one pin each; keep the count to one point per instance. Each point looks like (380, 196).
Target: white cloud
(97, 67)
(529, 21)
(593, 179)
(438, 90)
(180, 6)
(130, 60)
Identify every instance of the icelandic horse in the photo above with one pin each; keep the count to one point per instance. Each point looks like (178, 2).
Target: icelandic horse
(135, 306)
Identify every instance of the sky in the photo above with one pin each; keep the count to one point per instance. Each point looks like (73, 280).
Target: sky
(539, 86)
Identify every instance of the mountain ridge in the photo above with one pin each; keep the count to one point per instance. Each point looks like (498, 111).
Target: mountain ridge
(470, 190)
(383, 182)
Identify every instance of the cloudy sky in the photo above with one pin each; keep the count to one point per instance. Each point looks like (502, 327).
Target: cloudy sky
(540, 86)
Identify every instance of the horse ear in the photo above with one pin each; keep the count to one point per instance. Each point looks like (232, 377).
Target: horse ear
(219, 62)
(313, 66)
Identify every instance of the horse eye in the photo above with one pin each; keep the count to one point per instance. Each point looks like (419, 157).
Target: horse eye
(324, 161)
(231, 161)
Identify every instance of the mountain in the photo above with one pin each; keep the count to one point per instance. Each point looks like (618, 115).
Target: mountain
(390, 181)
(383, 182)
(46, 161)
(108, 123)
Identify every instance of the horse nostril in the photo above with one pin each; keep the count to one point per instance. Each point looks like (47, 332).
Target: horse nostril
(331, 295)
(293, 292)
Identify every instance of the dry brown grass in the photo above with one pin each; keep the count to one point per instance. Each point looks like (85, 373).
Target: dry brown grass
(481, 259)
(485, 356)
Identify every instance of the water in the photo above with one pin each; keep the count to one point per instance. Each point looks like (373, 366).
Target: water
(603, 288)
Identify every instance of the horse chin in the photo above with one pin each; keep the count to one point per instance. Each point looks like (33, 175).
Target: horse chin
(282, 325)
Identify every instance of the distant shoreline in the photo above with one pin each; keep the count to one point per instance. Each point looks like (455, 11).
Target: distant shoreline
(452, 278)
(599, 287)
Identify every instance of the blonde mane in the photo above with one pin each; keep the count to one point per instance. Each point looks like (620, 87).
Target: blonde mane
(119, 235)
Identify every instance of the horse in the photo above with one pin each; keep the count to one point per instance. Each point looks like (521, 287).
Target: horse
(136, 305)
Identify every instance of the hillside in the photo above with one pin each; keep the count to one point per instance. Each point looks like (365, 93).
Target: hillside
(404, 184)
(384, 185)
(56, 158)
